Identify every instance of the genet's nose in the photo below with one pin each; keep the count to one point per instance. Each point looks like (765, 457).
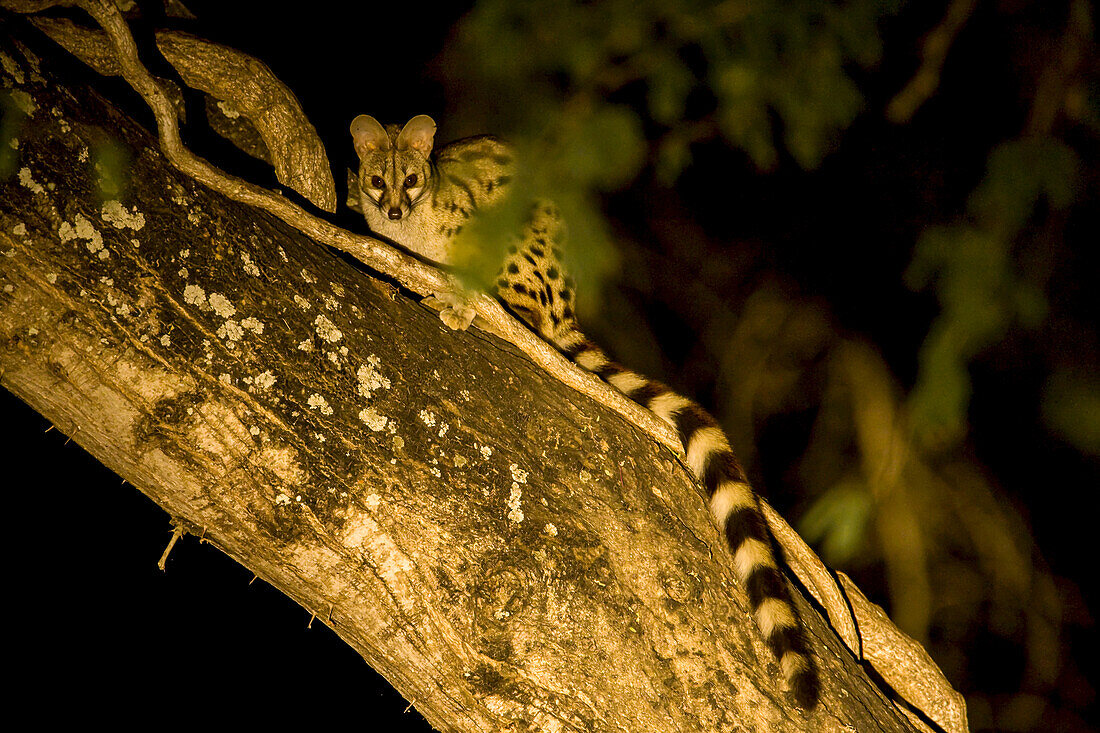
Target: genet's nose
(394, 213)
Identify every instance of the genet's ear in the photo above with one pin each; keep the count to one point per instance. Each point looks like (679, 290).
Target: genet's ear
(367, 135)
(418, 134)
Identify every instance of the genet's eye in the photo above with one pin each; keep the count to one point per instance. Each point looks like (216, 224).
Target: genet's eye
(410, 180)
(377, 182)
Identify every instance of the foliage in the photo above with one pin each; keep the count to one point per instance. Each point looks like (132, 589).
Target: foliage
(1071, 407)
(12, 118)
(109, 159)
(611, 87)
(977, 279)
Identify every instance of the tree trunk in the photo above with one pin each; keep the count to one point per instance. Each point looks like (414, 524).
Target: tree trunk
(508, 553)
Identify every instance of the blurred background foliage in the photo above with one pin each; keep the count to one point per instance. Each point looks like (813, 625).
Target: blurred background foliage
(864, 233)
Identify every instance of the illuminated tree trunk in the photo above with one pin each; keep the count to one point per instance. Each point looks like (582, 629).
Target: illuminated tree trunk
(508, 553)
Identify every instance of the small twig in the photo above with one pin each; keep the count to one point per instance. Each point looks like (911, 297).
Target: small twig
(75, 429)
(47, 430)
(177, 532)
(933, 55)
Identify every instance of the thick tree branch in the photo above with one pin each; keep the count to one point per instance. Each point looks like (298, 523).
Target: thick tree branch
(510, 554)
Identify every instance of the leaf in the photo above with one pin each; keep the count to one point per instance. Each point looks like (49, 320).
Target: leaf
(669, 84)
(938, 402)
(13, 116)
(932, 251)
(838, 521)
(604, 149)
(1018, 174)
(111, 161)
(1071, 409)
(673, 156)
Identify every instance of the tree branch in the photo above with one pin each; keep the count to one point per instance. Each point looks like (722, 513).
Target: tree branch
(508, 553)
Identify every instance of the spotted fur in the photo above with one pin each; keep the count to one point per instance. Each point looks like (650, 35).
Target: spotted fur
(534, 285)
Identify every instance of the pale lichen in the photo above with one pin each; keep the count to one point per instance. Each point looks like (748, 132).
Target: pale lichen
(317, 402)
(254, 325)
(326, 330)
(23, 101)
(228, 110)
(249, 266)
(264, 381)
(369, 378)
(221, 305)
(11, 67)
(194, 295)
(115, 214)
(372, 419)
(515, 513)
(81, 228)
(230, 330)
(27, 181)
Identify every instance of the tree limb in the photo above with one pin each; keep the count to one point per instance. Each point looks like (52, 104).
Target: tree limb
(509, 554)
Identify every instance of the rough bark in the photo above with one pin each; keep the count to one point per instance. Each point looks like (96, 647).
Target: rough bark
(508, 553)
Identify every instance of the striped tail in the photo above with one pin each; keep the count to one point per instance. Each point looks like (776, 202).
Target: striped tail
(732, 501)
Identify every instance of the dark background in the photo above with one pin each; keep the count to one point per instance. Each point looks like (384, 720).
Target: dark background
(113, 637)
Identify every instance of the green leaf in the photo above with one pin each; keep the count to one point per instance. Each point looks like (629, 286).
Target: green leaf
(604, 149)
(13, 116)
(669, 84)
(1071, 408)
(1019, 172)
(938, 403)
(838, 521)
(932, 251)
(111, 162)
(673, 156)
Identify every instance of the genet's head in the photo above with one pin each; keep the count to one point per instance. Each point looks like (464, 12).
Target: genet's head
(393, 164)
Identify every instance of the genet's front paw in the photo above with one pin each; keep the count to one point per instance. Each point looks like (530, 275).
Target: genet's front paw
(456, 309)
